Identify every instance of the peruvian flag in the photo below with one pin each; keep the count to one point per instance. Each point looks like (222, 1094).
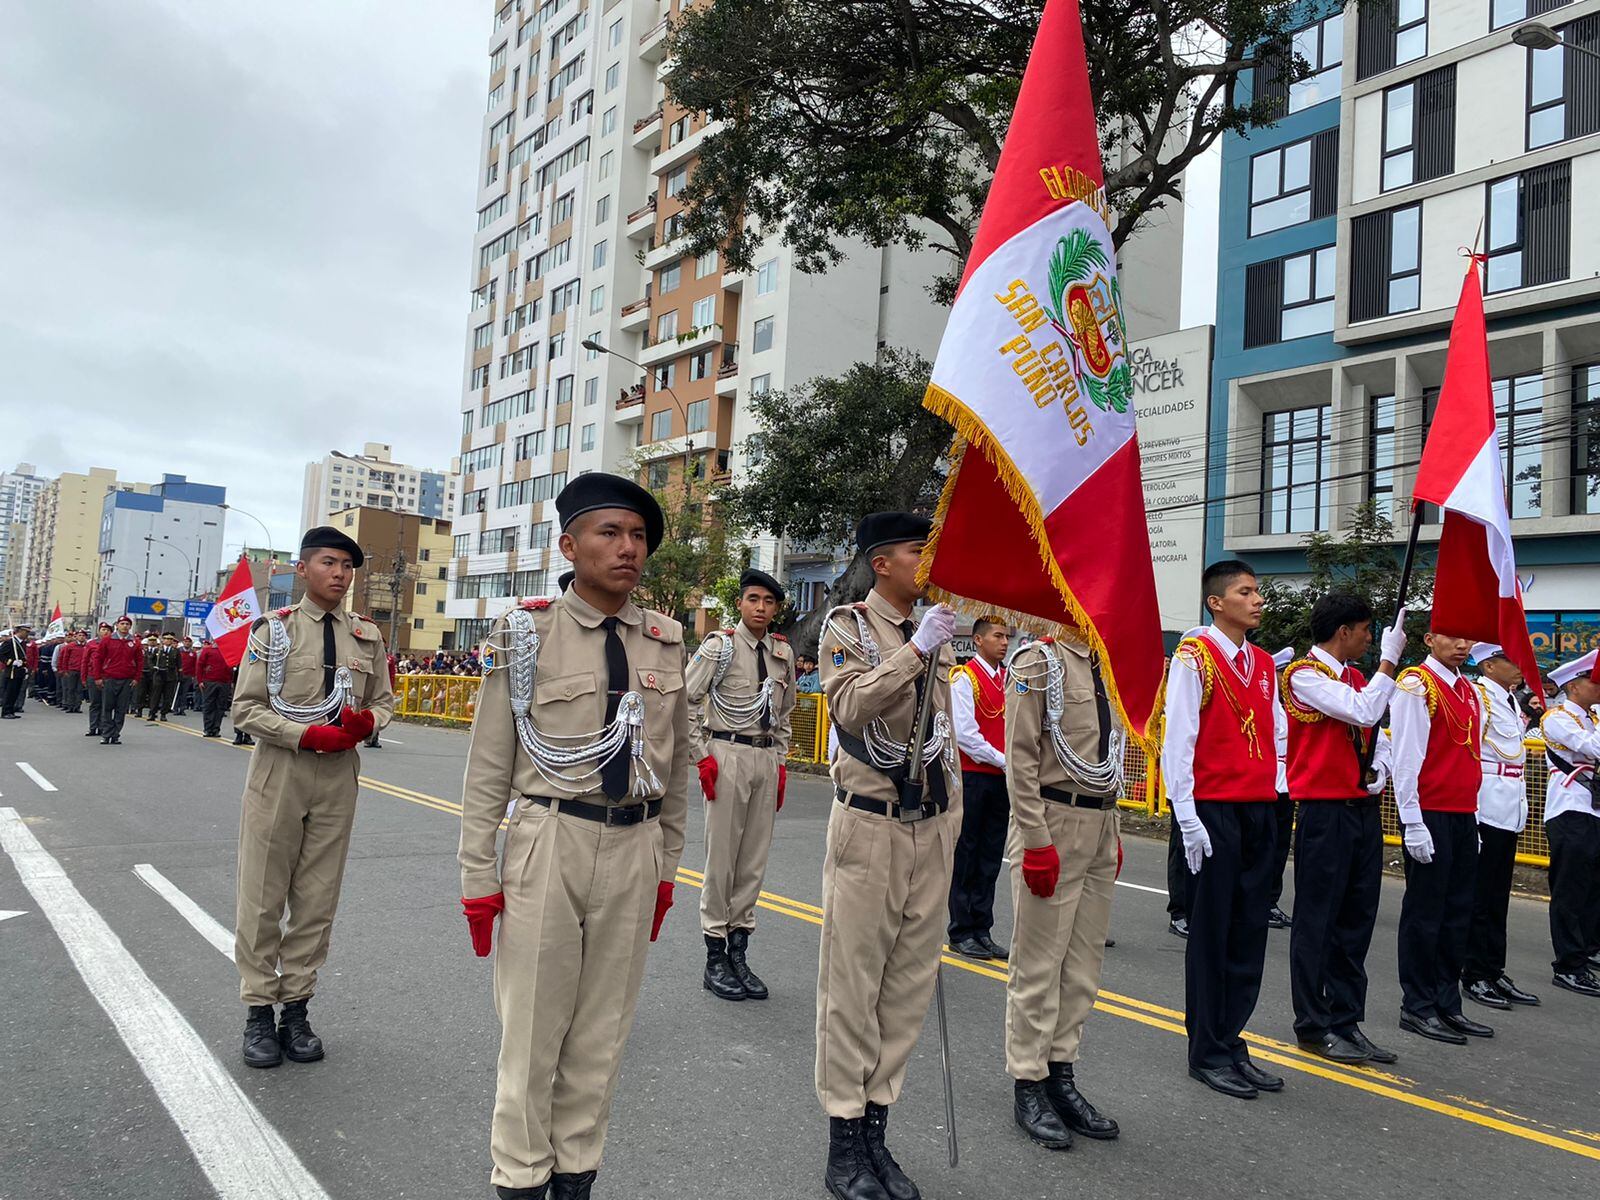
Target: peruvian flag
(1043, 514)
(235, 611)
(57, 627)
(1475, 590)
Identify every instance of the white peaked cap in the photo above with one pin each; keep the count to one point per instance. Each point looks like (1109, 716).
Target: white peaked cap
(1568, 671)
(1484, 651)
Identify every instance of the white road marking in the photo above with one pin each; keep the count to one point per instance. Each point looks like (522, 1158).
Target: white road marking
(243, 1156)
(1139, 887)
(204, 923)
(7, 913)
(43, 783)
(394, 741)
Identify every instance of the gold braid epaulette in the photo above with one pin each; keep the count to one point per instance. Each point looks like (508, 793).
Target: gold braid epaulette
(1242, 714)
(1430, 686)
(1194, 655)
(1301, 713)
(1548, 740)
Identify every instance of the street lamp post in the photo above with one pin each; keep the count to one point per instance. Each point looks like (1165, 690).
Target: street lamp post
(688, 438)
(267, 533)
(1536, 35)
(105, 580)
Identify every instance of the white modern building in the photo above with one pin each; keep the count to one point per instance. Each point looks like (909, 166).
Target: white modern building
(166, 543)
(19, 488)
(372, 478)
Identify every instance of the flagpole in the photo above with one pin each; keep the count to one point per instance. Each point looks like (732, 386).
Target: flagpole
(1400, 604)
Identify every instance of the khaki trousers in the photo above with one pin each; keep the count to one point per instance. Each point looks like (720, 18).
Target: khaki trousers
(739, 826)
(294, 836)
(885, 888)
(1058, 943)
(569, 960)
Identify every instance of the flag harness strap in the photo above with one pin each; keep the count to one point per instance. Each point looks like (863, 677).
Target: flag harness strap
(741, 714)
(884, 752)
(1104, 776)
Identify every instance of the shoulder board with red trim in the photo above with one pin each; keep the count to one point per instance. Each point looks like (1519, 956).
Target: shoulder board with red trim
(284, 612)
(661, 628)
(1046, 641)
(778, 637)
(726, 632)
(536, 603)
(860, 606)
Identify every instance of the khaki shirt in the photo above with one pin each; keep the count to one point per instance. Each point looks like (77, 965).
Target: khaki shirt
(740, 686)
(858, 692)
(1031, 759)
(357, 645)
(569, 698)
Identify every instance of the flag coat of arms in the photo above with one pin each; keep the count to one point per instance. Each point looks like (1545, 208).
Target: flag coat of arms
(235, 611)
(1043, 515)
(57, 627)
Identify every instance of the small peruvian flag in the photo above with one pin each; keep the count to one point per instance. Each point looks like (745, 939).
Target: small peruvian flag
(235, 611)
(58, 627)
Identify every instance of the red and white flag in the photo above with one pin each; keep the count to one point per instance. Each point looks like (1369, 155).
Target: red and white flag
(235, 611)
(1043, 515)
(1475, 589)
(57, 627)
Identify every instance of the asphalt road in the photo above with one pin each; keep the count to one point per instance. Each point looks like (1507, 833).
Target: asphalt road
(119, 1043)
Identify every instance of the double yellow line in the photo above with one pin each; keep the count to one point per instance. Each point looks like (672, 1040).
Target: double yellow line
(1130, 1008)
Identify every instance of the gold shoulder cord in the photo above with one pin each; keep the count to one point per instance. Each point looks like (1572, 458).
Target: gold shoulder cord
(1192, 653)
(1300, 712)
(1509, 756)
(1430, 687)
(1548, 740)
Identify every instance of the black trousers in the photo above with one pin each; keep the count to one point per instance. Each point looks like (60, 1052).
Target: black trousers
(985, 813)
(1283, 813)
(114, 697)
(91, 692)
(1227, 944)
(12, 682)
(1177, 874)
(1435, 916)
(1574, 889)
(215, 699)
(1338, 877)
(166, 694)
(1491, 899)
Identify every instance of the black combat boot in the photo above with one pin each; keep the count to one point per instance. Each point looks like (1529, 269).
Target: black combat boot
(738, 941)
(541, 1192)
(1036, 1118)
(720, 980)
(1079, 1115)
(571, 1187)
(849, 1174)
(295, 1036)
(261, 1037)
(895, 1183)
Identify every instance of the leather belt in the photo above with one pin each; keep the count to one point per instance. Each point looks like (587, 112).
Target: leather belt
(1078, 799)
(763, 741)
(605, 814)
(887, 808)
(1363, 802)
(1505, 770)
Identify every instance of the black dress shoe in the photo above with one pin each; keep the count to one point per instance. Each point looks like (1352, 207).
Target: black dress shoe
(1334, 1048)
(1225, 1080)
(1485, 993)
(971, 947)
(1278, 919)
(261, 1047)
(1037, 1118)
(533, 1193)
(719, 978)
(1513, 993)
(105, 741)
(571, 1187)
(1178, 927)
(1264, 1081)
(1594, 959)
(1373, 1052)
(1581, 982)
(995, 949)
(1110, 942)
(738, 943)
(848, 1175)
(1431, 1028)
(873, 1128)
(1061, 1089)
(294, 1034)
(1466, 1025)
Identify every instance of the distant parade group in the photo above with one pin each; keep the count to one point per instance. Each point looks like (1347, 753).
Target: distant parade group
(595, 722)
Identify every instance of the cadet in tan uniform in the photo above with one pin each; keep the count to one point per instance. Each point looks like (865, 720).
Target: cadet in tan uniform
(312, 685)
(1063, 770)
(886, 878)
(583, 721)
(741, 694)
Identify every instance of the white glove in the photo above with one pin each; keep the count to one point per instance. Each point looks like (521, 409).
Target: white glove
(936, 630)
(1196, 842)
(1419, 843)
(1394, 638)
(1381, 780)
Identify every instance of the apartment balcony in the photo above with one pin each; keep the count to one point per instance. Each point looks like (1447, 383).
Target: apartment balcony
(647, 130)
(677, 345)
(659, 255)
(733, 281)
(641, 222)
(653, 42)
(636, 316)
(674, 156)
(664, 67)
(728, 373)
(630, 406)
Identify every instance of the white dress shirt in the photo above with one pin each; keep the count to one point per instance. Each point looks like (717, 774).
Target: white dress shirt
(965, 718)
(1363, 708)
(1184, 690)
(1410, 726)
(1503, 795)
(1574, 736)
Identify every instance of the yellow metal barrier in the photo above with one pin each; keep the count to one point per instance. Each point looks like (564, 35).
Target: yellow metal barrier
(452, 698)
(1533, 850)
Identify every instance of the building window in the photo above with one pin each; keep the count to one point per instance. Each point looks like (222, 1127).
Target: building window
(562, 209)
(1322, 46)
(761, 338)
(1381, 454)
(604, 170)
(591, 392)
(586, 438)
(613, 76)
(598, 257)
(677, 131)
(1564, 89)
(1296, 491)
(563, 436)
(1419, 129)
(1287, 298)
(597, 299)
(497, 541)
(614, 34)
(1586, 439)
(661, 425)
(699, 365)
(1390, 34)
(706, 264)
(1529, 234)
(539, 536)
(699, 415)
(767, 277)
(705, 312)
(677, 180)
(665, 376)
(1519, 414)
(1514, 12)
(462, 545)
(667, 325)
(1294, 184)
(667, 279)
(761, 385)
(1386, 263)
(602, 210)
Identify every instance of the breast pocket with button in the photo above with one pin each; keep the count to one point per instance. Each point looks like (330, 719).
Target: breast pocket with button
(568, 704)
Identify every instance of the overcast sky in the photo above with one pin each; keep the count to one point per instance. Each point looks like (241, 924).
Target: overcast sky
(237, 236)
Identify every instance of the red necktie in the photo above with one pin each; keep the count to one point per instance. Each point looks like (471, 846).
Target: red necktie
(1240, 662)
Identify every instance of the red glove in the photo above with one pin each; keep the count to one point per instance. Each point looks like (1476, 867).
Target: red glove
(663, 902)
(327, 739)
(1040, 870)
(1118, 875)
(708, 776)
(359, 722)
(783, 782)
(481, 912)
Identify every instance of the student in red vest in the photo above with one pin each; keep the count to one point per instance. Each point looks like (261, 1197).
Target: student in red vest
(978, 712)
(1222, 761)
(1338, 850)
(1437, 726)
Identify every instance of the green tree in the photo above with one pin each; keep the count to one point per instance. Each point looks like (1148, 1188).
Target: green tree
(697, 544)
(1366, 561)
(874, 119)
(833, 449)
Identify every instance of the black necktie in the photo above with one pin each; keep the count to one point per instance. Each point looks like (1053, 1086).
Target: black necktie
(761, 677)
(330, 656)
(614, 771)
(1102, 706)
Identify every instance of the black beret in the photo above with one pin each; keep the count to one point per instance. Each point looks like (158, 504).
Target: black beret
(565, 581)
(596, 490)
(326, 537)
(887, 528)
(760, 579)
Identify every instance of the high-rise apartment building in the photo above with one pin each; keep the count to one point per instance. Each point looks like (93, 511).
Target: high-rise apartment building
(402, 581)
(19, 489)
(163, 541)
(373, 478)
(64, 544)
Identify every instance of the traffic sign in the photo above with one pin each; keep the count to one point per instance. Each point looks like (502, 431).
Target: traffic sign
(153, 607)
(196, 610)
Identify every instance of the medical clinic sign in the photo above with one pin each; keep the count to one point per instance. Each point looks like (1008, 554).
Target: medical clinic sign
(1171, 390)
